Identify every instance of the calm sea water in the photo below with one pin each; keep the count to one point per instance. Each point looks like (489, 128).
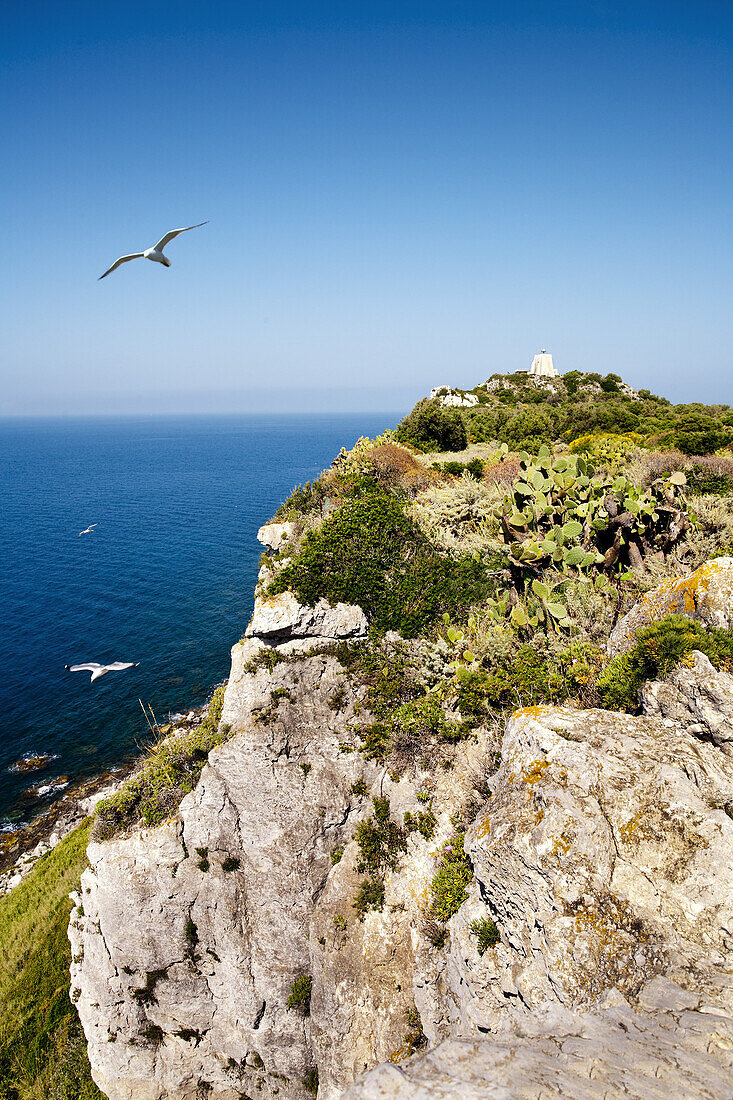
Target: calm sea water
(166, 578)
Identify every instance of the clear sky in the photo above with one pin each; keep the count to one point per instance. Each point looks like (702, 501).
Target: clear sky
(400, 195)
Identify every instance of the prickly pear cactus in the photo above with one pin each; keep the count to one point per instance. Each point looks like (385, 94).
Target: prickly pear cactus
(561, 514)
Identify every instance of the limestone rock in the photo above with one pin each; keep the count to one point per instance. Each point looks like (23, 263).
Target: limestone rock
(187, 938)
(607, 1053)
(281, 618)
(705, 595)
(697, 698)
(274, 536)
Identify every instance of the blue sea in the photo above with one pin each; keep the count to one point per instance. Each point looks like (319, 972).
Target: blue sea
(166, 578)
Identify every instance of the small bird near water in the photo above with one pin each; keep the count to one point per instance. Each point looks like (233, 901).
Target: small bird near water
(98, 670)
(156, 252)
(88, 530)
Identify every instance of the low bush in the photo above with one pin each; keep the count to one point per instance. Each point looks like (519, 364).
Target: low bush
(310, 1082)
(300, 994)
(448, 885)
(486, 933)
(369, 895)
(405, 728)
(423, 822)
(528, 674)
(657, 650)
(381, 841)
(171, 769)
(371, 554)
(711, 474)
(397, 470)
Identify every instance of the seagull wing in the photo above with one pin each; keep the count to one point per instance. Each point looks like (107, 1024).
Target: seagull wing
(174, 233)
(91, 666)
(117, 665)
(123, 260)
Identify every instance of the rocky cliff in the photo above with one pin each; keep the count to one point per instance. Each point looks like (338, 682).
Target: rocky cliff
(220, 954)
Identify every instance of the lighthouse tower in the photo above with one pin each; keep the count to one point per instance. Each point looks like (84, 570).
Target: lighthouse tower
(542, 366)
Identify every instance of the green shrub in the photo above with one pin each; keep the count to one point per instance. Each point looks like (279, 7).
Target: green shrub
(359, 788)
(336, 854)
(424, 822)
(170, 771)
(657, 650)
(486, 932)
(369, 895)
(527, 674)
(432, 427)
(303, 499)
(231, 863)
(448, 885)
(310, 1082)
(407, 726)
(300, 994)
(381, 841)
(371, 554)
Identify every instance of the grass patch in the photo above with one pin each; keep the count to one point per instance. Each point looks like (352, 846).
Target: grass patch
(171, 770)
(42, 1047)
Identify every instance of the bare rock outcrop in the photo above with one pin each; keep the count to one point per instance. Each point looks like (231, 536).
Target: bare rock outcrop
(282, 618)
(695, 697)
(705, 595)
(187, 938)
(613, 1051)
(274, 536)
(605, 857)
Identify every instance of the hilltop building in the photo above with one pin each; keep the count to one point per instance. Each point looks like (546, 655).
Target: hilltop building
(542, 366)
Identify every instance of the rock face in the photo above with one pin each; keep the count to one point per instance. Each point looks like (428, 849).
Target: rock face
(602, 849)
(274, 536)
(281, 618)
(187, 938)
(706, 595)
(606, 859)
(682, 1051)
(696, 698)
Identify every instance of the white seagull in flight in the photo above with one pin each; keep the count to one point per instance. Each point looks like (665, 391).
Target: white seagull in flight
(98, 670)
(88, 530)
(154, 253)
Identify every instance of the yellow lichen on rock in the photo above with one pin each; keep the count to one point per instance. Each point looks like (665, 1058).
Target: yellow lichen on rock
(705, 595)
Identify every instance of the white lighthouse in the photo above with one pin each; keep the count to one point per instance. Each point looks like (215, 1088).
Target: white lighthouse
(542, 366)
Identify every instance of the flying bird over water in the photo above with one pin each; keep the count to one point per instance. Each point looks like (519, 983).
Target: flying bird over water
(88, 530)
(98, 670)
(154, 253)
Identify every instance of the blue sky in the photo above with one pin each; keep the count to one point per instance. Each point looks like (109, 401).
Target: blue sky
(400, 195)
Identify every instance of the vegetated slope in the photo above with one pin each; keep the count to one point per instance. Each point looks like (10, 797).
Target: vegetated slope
(523, 412)
(42, 1048)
